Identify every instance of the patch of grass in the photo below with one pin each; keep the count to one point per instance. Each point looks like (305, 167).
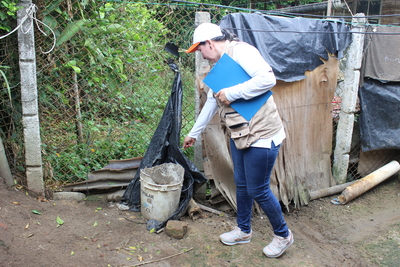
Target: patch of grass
(385, 250)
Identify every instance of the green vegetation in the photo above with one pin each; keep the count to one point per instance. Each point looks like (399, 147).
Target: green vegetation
(104, 84)
(261, 5)
(6, 84)
(8, 13)
(385, 249)
(111, 59)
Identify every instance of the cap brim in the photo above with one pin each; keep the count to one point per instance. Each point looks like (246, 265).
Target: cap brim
(193, 48)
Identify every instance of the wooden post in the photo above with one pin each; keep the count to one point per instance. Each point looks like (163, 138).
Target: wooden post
(329, 8)
(30, 114)
(201, 69)
(77, 107)
(5, 171)
(349, 100)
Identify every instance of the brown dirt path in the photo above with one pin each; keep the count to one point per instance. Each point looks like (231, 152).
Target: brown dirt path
(364, 232)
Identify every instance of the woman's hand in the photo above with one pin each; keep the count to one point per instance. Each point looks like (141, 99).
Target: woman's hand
(188, 142)
(221, 96)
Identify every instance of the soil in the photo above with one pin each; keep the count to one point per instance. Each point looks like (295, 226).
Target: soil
(94, 232)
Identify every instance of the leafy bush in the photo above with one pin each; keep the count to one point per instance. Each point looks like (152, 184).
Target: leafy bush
(8, 14)
(111, 57)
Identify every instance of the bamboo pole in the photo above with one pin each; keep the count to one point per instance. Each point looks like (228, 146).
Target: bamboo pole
(363, 185)
(329, 191)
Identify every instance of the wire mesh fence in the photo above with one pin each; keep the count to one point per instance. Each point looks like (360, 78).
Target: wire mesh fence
(106, 83)
(10, 108)
(103, 84)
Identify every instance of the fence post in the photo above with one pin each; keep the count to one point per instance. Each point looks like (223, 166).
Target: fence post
(201, 65)
(349, 99)
(30, 114)
(5, 171)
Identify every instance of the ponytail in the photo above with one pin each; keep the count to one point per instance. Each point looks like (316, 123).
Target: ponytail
(226, 35)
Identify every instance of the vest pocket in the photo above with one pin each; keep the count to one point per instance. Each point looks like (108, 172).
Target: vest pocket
(238, 126)
(240, 131)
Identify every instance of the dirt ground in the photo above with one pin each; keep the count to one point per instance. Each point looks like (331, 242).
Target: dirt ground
(364, 232)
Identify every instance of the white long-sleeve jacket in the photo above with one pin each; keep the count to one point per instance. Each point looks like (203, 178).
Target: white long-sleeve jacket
(262, 80)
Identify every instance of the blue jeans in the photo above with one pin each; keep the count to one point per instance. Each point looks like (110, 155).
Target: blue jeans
(252, 171)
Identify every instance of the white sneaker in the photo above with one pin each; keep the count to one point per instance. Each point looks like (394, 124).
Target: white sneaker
(234, 237)
(278, 245)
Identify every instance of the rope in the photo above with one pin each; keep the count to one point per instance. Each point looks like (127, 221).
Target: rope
(31, 14)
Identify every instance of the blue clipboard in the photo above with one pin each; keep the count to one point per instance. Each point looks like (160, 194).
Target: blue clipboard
(226, 73)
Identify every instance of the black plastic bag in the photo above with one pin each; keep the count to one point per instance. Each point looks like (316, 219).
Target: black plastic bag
(165, 148)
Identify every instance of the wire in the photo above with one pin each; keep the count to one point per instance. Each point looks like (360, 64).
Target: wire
(312, 32)
(266, 12)
(31, 14)
(254, 10)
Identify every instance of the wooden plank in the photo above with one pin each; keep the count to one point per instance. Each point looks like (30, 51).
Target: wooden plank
(390, 7)
(304, 162)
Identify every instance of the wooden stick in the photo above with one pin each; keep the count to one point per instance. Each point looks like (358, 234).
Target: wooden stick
(329, 191)
(165, 258)
(211, 210)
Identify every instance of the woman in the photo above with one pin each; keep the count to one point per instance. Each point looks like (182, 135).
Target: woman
(255, 149)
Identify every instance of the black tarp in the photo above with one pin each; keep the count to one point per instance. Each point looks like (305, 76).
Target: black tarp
(380, 90)
(165, 148)
(290, 45)
(380, 115)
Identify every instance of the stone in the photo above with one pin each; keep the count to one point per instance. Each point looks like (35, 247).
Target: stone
(77, 196)
(176, 229)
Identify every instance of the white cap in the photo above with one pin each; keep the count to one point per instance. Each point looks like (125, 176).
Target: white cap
(203, 32)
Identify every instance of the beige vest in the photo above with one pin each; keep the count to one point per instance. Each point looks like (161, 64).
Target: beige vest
(264, 124)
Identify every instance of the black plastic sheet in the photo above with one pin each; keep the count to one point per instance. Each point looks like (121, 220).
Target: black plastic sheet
(290, 45)
(165, 148)
(379, 119)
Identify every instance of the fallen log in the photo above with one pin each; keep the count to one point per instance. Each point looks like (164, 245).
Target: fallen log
(369, 181)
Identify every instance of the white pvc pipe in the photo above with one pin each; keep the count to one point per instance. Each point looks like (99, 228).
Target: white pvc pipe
(369, 181)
